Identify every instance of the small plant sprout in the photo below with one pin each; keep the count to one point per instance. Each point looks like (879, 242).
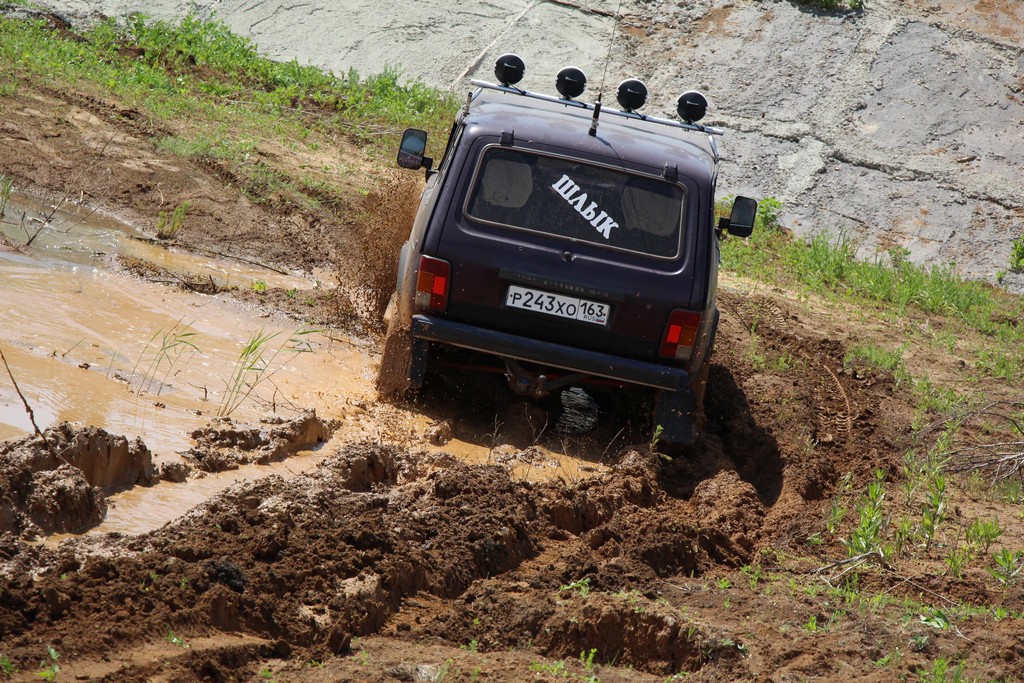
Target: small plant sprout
(581, 587)
(655, 437)
(1017, 255)
(173, 639)
(956, 560)
(753, 574)
(259, 286)
(983, 532)
(837, 510)
(934, 509)
(1009, 565)
(168, 226)
(7, 667)
(866, 537)
(723, 583)
(48, 668)
(936, 619)
(919, 642)
(5, 193)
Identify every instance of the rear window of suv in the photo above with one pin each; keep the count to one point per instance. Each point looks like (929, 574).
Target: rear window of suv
(575, 200)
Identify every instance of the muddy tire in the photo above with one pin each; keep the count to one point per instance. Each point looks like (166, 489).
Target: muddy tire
(393, 380)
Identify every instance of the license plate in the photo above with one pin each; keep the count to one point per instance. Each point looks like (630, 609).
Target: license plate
(558, 305)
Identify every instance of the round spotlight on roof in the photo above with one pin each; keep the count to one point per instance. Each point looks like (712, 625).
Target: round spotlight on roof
(509, 69)
(570, 82)
(691, 106)
(631, 94)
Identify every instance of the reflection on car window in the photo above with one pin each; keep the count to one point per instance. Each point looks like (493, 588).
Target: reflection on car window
(571, 199)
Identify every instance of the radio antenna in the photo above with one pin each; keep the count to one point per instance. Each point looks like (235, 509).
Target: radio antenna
(611, 41)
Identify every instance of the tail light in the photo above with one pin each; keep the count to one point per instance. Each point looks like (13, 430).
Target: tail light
(432, 283)
(680, 333)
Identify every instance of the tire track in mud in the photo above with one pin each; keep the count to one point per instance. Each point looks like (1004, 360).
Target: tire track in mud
(835, 413)
(308, 564)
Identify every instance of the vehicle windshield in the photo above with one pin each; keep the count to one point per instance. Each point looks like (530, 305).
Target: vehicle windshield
(579, 201)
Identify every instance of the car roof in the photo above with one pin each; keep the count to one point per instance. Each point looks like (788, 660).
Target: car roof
(566, 125)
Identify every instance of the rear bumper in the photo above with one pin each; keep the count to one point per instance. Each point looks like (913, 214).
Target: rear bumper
(546, 353)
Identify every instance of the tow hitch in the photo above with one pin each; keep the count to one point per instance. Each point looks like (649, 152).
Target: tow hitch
(536, 385)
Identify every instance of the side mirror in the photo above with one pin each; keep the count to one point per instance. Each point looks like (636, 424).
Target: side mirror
(410, 153)
(741, 222)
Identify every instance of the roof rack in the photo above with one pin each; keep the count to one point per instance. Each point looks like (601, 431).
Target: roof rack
(511, 89)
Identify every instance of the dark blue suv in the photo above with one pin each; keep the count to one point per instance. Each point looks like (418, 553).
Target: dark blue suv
(565, 244)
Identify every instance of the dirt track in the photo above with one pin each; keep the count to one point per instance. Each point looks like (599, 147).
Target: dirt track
(396, 561)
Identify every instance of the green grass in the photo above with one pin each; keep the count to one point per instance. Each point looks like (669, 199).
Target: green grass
(233, 99)
(883, 359)
(828, 266)
(173, 68)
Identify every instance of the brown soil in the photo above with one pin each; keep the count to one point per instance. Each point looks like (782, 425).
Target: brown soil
(391, 562)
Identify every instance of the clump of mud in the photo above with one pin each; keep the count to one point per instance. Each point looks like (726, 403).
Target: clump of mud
(60, 485)
(224, 445)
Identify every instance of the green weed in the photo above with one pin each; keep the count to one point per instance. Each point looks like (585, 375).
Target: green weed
(6, 186)
(866, 536)
(170, 637)
(259, 361)
(837, 510)
(556, 669)
(887, 361)
(956, 560)
(7, 667)
(829, 266)
(581, 587)
(233, 97)
(1008, 565)
(941, 672)
(168, 227)
(753, 574)
(163, 351)
(892, 659)
(1017, 255)
(936, 619)
(981, 533)
(49, 668)
(934, 510)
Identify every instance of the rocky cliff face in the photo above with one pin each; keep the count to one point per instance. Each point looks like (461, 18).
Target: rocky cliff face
(901, 125)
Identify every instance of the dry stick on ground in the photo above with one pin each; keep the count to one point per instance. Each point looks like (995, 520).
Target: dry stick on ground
(28, 408)
(854, 562)
(1001, 459)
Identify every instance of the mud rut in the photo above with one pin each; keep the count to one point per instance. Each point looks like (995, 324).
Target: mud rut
(381, 540)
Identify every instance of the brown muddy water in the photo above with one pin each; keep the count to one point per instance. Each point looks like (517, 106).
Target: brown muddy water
(89, 344)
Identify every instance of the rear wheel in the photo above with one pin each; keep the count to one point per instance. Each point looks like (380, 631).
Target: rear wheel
(393, 377)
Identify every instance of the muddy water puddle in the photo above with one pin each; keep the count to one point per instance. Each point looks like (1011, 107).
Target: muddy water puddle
(89, 344)
(140, 510)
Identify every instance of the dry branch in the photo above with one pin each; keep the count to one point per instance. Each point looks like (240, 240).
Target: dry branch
(999, 459)
(28, 408)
